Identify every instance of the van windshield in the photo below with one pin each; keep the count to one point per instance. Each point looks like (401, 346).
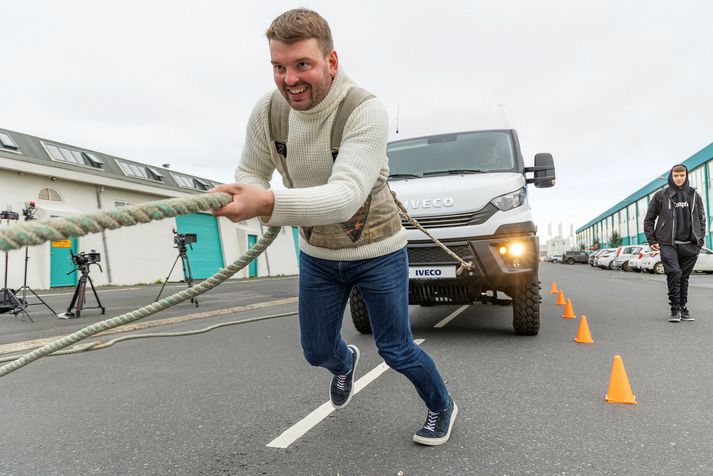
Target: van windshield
(465, 152)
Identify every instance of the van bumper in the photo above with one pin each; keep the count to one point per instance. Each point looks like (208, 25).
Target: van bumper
(500, 263)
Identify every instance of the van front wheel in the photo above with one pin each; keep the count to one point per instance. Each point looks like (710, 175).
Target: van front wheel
(526, 308)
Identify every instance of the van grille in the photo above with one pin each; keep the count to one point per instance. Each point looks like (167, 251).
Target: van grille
(458, 219)
(434, 254)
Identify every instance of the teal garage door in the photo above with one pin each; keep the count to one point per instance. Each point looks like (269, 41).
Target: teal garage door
(61, 263)
(252, 268)
(206, 257)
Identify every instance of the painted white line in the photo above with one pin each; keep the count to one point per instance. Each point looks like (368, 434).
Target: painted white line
(451, 316)
(296, 431)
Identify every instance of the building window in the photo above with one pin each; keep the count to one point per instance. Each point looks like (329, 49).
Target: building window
(6, 142)
(140, 171)
(49, 194)
(184, 181)
(119, 204)
(71, 156)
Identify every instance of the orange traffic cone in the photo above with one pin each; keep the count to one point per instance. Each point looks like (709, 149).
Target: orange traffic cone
(568, 311)
(583, 335)
(553, 289)
(619, 388)
(560, 299)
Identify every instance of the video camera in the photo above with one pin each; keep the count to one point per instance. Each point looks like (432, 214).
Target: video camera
(85, 258)
(9, 214)
(183, 239)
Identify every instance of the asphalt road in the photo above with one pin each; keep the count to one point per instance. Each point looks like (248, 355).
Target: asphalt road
(212, 403)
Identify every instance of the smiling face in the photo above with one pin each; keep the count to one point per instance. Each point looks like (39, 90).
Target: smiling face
(303, 74)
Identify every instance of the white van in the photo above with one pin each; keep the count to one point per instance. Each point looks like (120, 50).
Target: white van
(469, 190)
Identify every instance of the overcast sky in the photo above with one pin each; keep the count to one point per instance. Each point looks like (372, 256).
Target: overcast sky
(617, 91)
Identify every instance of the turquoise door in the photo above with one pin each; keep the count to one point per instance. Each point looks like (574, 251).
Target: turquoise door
(296, 239)
(61, 263)
(252, 268)
(206, 257)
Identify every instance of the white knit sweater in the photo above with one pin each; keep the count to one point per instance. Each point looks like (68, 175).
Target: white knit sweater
(326, 191)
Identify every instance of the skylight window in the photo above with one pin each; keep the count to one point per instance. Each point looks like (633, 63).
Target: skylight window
(191, 182)
(71, 156)
(6, 142)
(140, 171)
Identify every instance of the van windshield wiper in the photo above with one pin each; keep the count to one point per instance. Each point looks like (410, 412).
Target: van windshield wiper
(399, 176)
(454, 172)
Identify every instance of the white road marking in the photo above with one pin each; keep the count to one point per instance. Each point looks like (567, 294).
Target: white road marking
(451, 316)
(296, 431)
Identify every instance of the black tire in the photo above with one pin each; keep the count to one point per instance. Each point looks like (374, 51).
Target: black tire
(611, 265)
(526, 309)
(360, 314)
(626, 266)
(570, 261)
(658, 268)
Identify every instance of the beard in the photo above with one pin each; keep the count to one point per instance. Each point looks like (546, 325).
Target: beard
(317, 91)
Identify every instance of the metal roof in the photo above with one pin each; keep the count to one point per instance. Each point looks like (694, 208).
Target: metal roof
(31, 150)
(697, 159)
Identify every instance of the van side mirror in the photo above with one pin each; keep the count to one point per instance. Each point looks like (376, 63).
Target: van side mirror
(544, 170)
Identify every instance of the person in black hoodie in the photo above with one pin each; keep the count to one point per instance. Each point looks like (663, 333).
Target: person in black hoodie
(680, 228)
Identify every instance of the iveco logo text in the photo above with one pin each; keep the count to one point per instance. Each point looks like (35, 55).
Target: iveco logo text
(428, 203)
(428, 272)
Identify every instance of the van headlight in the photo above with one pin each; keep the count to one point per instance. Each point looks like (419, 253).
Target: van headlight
(510, 200)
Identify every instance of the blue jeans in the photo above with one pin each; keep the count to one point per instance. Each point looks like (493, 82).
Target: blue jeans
(383, 281)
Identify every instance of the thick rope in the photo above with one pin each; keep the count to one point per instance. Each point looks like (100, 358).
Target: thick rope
(30, 233)
(97, 345)
(37, 232)
(34, 233)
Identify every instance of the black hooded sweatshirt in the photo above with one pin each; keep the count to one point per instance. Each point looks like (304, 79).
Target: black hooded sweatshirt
(680, 201)
(675, 214)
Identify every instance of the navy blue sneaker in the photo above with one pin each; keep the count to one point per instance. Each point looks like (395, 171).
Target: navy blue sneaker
(342, 386)
(438, 426)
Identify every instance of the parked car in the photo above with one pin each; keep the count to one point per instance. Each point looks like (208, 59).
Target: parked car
(635, 261)
(623, 255)
(593, 257)
(605, 259)
(556, 258)
(705, 262)
(571, 257)
(651, 263)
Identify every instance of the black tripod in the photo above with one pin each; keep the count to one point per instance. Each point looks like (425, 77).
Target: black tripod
(183, 256)
(9, 301)
(79, 297)
(26, 288)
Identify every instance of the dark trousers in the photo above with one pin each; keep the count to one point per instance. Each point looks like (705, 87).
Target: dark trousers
(678, 262)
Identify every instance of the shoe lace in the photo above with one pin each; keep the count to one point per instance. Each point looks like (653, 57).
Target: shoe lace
(431, 419)
(341, 381)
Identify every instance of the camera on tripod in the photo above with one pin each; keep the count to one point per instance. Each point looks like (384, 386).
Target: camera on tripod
(183, 239)
(82, 261)
(180, 240)
(85, 258)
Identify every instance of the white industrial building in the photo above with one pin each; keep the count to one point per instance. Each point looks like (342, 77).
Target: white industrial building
(65, 180)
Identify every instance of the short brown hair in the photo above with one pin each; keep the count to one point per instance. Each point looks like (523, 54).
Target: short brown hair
(301, 24)
(679, 168)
